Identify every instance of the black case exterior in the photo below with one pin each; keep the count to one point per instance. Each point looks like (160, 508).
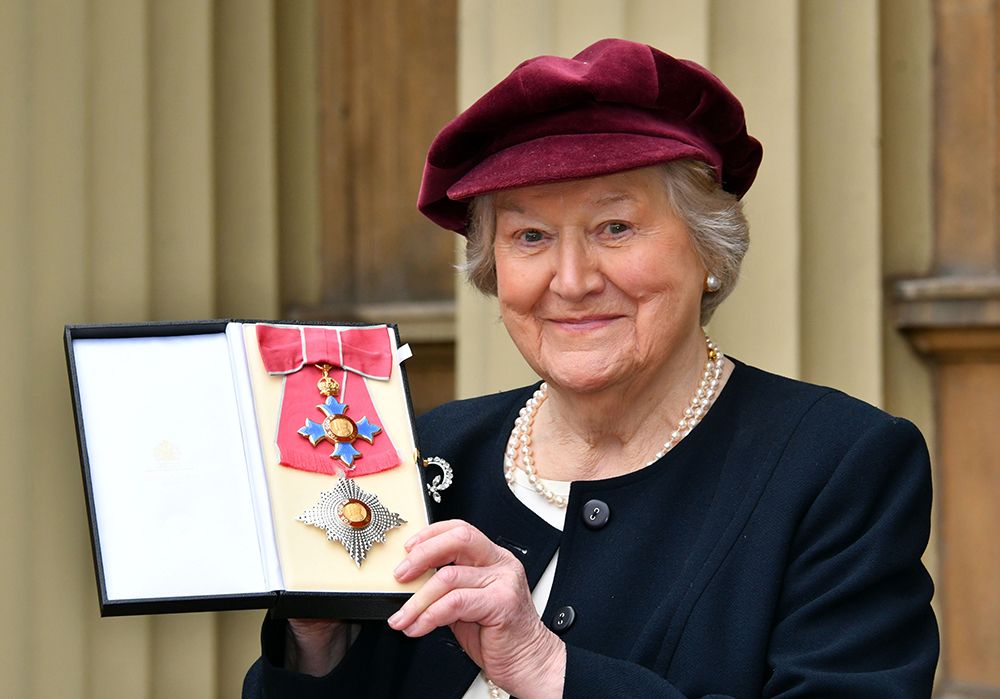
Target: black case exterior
(282, 603)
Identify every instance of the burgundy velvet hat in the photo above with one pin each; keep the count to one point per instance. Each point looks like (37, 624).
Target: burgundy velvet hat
(617, 105)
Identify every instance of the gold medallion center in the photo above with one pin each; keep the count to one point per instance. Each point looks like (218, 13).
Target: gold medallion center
(356, 514)
(340, 428)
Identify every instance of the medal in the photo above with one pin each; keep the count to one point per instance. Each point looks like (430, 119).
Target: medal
(337, 428)
(299, 355)
(352, 516)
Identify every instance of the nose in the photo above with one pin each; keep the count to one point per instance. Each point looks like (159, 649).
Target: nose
(577, 273)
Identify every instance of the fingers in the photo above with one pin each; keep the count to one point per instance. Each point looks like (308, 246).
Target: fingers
(314, 628)
(481, 592)
(431, 530)
(463, 604)
(453, 581)
(315, 646)
(468, 562)
(444, 543)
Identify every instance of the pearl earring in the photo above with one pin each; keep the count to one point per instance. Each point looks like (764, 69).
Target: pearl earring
(712, 283)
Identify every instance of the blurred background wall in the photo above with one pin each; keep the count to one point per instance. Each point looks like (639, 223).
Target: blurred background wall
(168, 159)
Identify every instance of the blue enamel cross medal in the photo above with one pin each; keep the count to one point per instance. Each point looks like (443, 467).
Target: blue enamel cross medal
(337, 428)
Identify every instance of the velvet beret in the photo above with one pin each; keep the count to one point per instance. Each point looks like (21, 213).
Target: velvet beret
(617, 105)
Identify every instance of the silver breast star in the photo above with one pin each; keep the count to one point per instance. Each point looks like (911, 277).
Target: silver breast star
(352, 516)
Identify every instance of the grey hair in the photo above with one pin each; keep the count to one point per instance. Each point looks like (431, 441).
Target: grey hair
(714, 218)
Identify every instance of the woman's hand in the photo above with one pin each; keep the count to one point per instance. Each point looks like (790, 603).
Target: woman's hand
(481, 592)
(315, 646)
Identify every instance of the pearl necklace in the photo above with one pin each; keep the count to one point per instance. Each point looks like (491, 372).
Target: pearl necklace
(519, 443)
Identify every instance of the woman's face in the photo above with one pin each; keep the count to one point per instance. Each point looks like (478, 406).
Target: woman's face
(598, 281)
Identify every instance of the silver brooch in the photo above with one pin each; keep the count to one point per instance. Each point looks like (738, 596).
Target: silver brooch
(440, 482)
(352, 516)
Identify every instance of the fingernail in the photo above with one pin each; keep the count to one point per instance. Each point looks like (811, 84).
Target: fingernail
(401, 569)
(409, 543)
(394, 619)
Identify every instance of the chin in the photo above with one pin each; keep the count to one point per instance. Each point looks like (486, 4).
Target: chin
(579, 379)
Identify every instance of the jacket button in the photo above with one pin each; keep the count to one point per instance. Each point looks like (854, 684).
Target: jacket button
(564, 618)
(596, 514)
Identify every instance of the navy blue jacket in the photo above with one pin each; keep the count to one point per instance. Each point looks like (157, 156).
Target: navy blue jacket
(775, 552)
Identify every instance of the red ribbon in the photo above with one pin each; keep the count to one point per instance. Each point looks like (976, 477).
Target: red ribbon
(362, 353)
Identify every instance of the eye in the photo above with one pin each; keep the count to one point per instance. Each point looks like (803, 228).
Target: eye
(531, 236)
(616, 229)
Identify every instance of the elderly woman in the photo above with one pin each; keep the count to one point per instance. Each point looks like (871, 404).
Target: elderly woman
(653, 519)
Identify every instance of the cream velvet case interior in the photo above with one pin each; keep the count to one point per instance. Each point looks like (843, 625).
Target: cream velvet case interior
(191, 506)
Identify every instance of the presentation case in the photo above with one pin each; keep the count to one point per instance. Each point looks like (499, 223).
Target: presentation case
(188, 448)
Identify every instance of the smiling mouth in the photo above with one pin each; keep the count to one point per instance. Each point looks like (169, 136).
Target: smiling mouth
(586, 323)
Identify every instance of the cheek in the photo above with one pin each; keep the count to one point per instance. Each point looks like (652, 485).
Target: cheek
(517, 307)
(653, 283)
(645, 277)
(518, 289)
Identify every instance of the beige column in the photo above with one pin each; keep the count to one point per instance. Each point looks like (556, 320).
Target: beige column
(682, 28)
(841, 282)
(15, 117)
(298, 151)
(118, 160)
(182, 183)
(245, 141)
(56, 566)
(755, 50)
(577, 23)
